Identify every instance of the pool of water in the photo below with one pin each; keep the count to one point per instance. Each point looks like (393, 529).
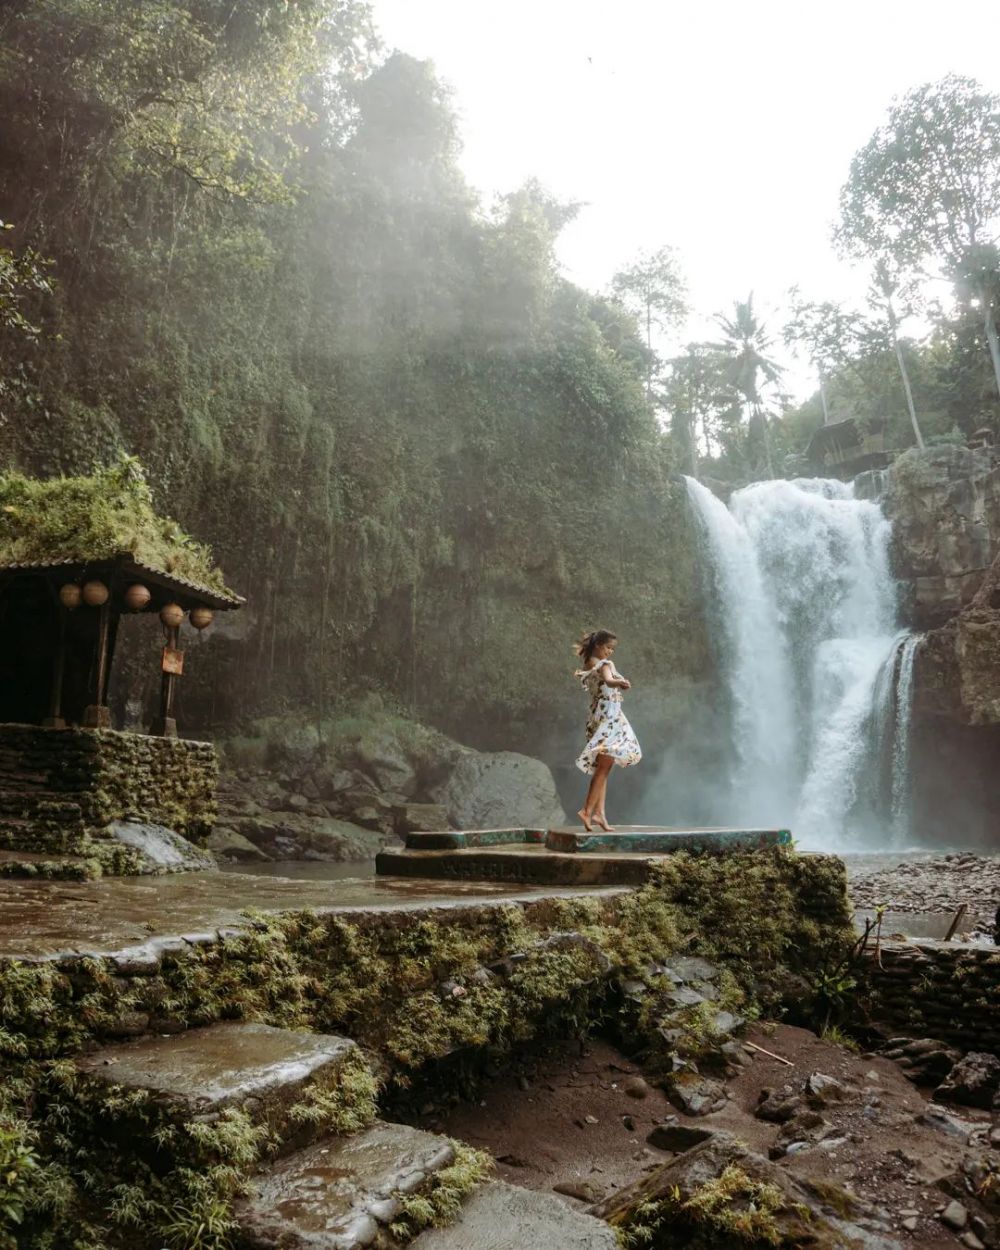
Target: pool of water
(916, 924)
(306, 870)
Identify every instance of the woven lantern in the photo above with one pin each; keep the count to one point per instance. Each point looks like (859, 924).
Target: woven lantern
(95, 593)
(70, 595)
(137, 596)
(171, 614)
(201, 617)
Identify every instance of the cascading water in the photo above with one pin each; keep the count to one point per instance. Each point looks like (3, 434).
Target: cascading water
(818, 675)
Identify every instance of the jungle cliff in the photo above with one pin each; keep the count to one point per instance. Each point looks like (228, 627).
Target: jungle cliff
(424, 457)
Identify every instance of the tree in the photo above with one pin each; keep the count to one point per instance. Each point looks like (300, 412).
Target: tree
(750, 367)
(696, 394)
(887, 286)
(827, 333)
(653, 289)
(927, 187)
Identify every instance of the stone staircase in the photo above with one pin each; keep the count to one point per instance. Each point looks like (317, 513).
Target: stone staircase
(322, 1172)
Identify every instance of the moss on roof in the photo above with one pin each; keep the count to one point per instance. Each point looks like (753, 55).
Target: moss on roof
(109, 513)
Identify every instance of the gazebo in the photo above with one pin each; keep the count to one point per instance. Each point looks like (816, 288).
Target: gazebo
(59, 622)
(77, 556)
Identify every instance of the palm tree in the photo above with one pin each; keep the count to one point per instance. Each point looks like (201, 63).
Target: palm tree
(751, 368)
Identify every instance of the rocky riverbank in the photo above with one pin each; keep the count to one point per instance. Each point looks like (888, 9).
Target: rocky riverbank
(344, 789)
(929, 883)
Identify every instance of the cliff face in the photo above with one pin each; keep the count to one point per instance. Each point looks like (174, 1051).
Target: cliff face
(944, 503)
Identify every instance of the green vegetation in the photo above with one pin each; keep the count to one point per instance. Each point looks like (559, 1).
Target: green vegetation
(410, 992)
(105, 514)
(414, 447)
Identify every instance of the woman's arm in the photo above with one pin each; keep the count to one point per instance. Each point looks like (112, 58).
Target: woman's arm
(609, 678)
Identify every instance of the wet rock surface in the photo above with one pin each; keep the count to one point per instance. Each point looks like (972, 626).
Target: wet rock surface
(498, 1216)
(138, 917)
(341, 1192)
(223, 1065)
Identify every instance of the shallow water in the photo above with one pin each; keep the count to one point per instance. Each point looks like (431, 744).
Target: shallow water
(306, 870)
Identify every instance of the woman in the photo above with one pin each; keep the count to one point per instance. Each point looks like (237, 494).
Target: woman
(610, 738)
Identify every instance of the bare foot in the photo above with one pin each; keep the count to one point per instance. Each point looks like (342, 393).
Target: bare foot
(601, 819)
(584, 819)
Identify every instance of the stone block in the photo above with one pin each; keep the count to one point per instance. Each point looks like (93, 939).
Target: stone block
(337, 1194)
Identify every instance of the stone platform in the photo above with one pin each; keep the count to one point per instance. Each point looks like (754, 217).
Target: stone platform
(561, 856)
(45, 920)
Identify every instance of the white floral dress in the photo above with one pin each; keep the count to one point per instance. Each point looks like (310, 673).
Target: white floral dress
(608, 730)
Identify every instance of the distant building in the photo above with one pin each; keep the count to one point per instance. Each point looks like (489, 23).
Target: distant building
(845, 448)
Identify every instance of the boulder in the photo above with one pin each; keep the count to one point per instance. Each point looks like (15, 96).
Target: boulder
(973, 1082)
(228, 845)
(723, 1194)
(499, 790)
(419, 817)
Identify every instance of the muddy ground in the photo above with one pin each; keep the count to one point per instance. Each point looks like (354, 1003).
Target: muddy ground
(576, 1119)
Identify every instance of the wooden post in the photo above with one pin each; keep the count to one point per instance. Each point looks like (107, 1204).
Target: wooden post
(98, 714)
(165, 724)
(55, 719)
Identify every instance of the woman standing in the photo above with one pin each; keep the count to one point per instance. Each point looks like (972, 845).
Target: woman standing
(610, 738)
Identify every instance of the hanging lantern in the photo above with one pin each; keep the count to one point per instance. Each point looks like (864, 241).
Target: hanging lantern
(70, 595)
(95, 593)
(200, 617)
(171, 614)
(136, 597)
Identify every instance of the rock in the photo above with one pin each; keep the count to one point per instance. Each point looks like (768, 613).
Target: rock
(910, 1224)
(498, 1216)
(955, 1215)
(689, 968)
(636, 1087)
(821, 1089)
(678, 1137)
(805, 1130)
(418, 817)
(944, 503)
(159, 849)
(582, 1191)
(700, 1096)
(799, 1216)
(973, 1082)
(924, 1060)
(500, 790)
(972, 1241)
(381, 755)
(937, 1117)
(779, 1108)
(228, 845)
(298, 803)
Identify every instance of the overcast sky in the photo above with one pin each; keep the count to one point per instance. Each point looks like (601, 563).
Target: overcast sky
(722, 128)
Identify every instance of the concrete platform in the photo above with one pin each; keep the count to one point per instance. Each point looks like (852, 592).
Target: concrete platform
(562, 856)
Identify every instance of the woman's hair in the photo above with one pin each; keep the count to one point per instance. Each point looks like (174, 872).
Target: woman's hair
(589, 643)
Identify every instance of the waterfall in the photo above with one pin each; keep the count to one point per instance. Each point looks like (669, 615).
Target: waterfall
(817, 673)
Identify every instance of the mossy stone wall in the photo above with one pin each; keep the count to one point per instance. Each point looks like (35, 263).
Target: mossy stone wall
(945, 990)
(59, 788)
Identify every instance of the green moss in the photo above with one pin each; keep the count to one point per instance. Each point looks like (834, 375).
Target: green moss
(94, 518)
(442, 1201)
(732, 1209)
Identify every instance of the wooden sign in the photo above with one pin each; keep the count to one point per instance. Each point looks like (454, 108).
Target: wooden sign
(173, 660)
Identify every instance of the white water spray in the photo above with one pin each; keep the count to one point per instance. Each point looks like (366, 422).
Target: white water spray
(806, 624)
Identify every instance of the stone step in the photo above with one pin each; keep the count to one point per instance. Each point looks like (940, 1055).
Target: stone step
(294, 1085)
(342, 1193)
(498, 1216)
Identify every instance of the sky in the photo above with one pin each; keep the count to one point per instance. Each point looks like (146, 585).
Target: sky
(723, 129)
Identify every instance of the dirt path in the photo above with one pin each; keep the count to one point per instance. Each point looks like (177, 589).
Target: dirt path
(572, 1123)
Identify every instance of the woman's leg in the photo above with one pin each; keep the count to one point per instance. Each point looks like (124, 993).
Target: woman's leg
(605, 763)
(590, 801)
